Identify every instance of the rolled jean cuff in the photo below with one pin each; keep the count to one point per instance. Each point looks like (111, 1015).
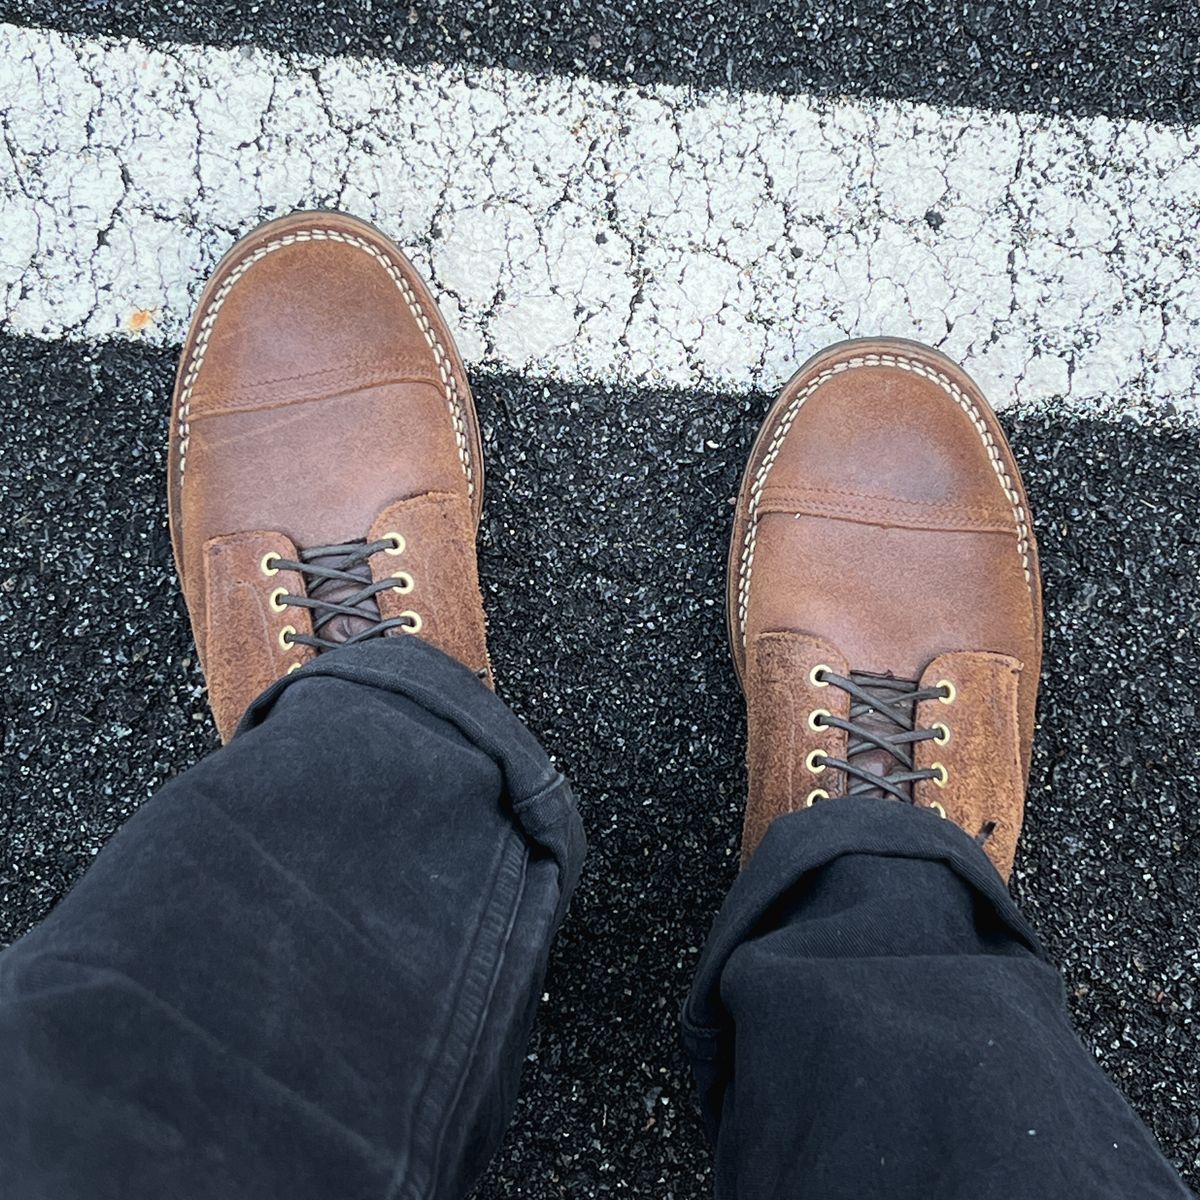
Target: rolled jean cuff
(802, 842)
(541, 800)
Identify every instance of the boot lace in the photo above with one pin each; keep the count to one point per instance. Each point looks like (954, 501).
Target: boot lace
(341, 594)
(882, 726)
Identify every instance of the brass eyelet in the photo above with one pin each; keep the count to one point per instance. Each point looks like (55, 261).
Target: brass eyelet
(942, 776)
(265, 564)
(818, 670)
(415, 621)
(285, 636)
(398, 543)
(937, 808)
(812, 719)
(943, 734)
(294, 667)
(405, 582)
(275, 595)
(950, 689)
(811, 761)
(815, 795)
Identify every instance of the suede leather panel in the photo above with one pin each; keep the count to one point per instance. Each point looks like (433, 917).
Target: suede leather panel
(439, 556)
(780, 698)
(985, 774)
(239, 644)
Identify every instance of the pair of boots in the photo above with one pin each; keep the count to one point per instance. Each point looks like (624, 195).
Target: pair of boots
(883, 598)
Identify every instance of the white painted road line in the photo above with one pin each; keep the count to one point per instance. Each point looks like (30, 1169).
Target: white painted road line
(581, 229)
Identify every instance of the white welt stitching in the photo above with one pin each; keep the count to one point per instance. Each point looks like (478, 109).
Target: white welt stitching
(449, 383)
(785, 423)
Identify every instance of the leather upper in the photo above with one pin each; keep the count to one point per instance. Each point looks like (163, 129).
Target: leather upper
(882, 527)
(320, 400)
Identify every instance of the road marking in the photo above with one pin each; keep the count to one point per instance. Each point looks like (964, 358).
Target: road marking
(586, 230)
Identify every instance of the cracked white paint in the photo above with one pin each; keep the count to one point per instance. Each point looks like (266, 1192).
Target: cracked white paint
(582, 229)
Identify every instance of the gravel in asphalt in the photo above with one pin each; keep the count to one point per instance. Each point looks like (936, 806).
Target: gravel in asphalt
(1135, 58)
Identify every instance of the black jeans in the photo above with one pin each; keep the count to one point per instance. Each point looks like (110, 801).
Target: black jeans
(308, 969)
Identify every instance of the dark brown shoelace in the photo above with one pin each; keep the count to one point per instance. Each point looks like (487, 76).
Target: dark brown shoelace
(881, 725)
(341, 595)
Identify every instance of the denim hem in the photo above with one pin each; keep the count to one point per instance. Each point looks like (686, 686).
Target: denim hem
(801, 842)
(541, 799)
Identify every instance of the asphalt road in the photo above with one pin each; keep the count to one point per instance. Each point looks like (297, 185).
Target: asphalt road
(603, 555)
(1134, 58)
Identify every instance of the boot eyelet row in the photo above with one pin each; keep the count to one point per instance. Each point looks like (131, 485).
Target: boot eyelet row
(815, 761)
(268, 565)
(404, 581)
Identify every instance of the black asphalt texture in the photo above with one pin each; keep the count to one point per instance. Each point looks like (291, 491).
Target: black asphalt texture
(603, 545)
(1134, 58)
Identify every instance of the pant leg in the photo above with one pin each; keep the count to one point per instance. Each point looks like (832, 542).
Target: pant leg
(873, 1017)
(308, 967)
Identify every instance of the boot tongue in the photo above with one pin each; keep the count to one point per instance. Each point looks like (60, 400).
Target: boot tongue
(341, 628)
(879, 762)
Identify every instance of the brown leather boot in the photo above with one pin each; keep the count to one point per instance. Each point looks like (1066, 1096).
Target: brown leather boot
(325, 475)
(884, 597)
